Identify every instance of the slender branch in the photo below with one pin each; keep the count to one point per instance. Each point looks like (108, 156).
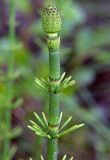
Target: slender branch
(7, 112)
(54, 68)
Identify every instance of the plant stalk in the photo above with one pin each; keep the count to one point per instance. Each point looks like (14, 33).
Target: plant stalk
(54, 75)
(9, 83)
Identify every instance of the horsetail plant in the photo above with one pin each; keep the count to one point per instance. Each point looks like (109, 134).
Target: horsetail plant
(6, 101)
(52, 128)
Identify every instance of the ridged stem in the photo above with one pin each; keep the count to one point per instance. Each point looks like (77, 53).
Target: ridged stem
(52, 149)
(54, 74)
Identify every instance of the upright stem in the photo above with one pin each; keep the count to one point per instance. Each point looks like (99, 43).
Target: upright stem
(51, 22)
(7, 112)
(54, 74)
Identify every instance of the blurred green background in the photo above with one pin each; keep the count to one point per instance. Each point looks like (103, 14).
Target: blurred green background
(85, 54)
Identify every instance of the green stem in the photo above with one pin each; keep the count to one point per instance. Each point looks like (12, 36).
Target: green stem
(52, 149)
(53, 109)
(54, 65)
(54, 75)
(7, 112)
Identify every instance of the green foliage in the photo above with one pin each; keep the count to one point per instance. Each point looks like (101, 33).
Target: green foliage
(88, 40)
(55, 86)
(43, 129)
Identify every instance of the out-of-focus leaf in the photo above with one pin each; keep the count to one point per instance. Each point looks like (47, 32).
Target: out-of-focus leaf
(87, 40)
(72, 15)
(23, 5)
(11, 153)
(84, 75)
